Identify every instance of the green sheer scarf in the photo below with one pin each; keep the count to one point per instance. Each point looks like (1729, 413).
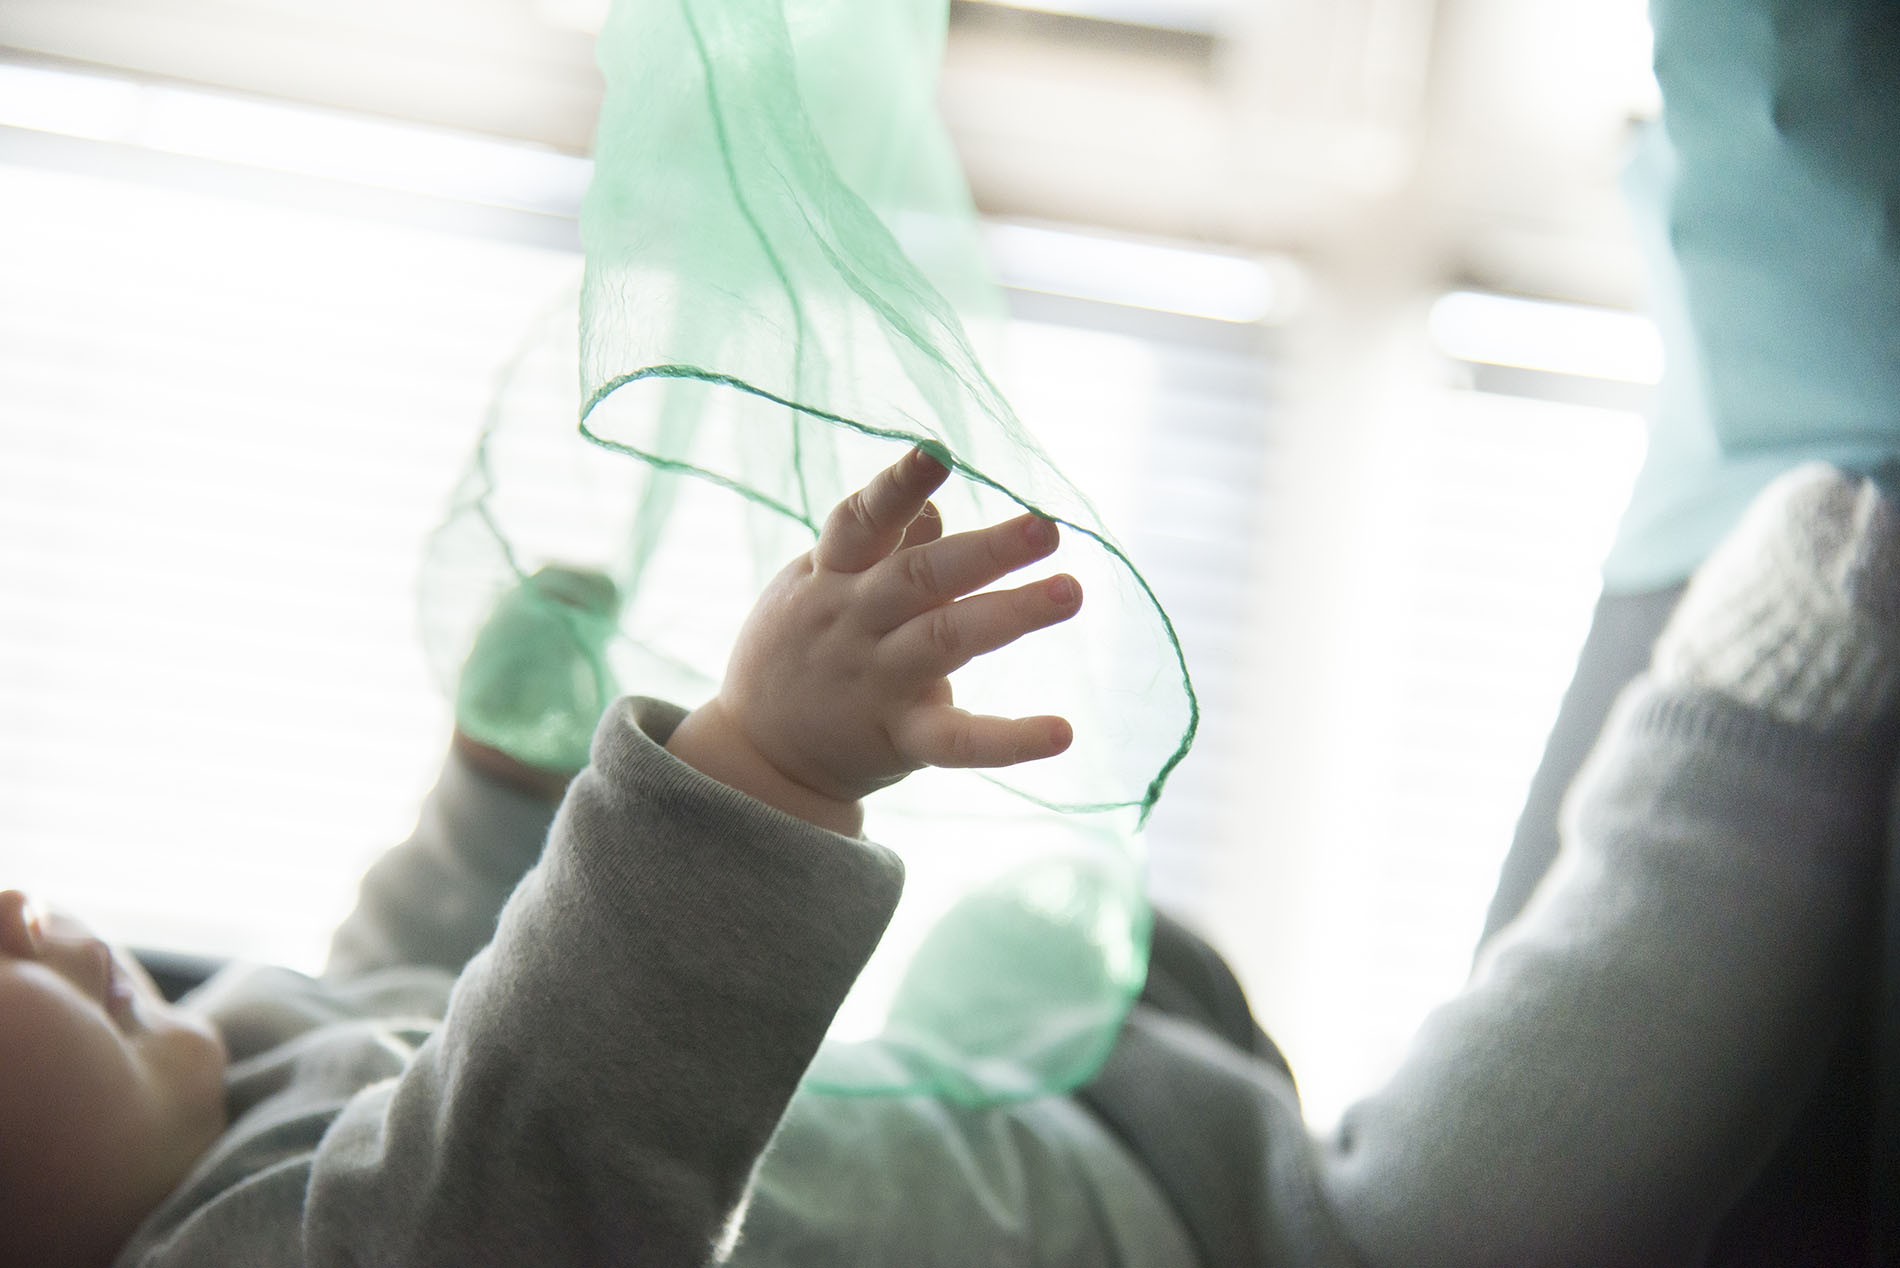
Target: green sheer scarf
(784, 288)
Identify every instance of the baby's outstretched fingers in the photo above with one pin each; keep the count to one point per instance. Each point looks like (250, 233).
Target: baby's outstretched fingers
(838, 684)
(932, 574)
(944, 639)
(943, 735)
(871, 523)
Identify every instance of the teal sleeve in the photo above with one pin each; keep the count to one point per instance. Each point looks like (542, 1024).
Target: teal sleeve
(1765, 202)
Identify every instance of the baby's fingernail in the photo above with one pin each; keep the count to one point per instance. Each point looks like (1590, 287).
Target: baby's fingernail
(1039, 531)
(1064, 590)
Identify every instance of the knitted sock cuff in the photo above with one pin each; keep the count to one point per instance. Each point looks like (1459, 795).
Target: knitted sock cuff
(1798, 611)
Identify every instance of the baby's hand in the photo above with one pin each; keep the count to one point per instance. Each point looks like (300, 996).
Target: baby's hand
(838, 684)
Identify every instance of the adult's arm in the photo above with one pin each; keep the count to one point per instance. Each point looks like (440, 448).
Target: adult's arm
(1625, 1056)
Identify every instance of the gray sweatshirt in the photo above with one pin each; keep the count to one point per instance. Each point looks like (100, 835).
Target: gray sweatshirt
(607, 1072)
(597, 1084)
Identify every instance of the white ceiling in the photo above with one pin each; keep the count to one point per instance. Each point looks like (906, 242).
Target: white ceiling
(1475, 141)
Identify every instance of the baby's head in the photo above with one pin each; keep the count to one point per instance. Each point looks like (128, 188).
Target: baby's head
(108, 1094)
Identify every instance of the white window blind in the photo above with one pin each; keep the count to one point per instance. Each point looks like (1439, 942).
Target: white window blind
(225, 427)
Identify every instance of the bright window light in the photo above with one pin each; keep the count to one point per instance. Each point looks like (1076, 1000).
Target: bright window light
(1473, 587)
(228, 427)
(91, 106)
(1201, 17)
(282, 137)
(1595, 343)
(585, 16)
(1149, 275)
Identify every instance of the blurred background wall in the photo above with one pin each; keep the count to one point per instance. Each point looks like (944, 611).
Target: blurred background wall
(1330, 303)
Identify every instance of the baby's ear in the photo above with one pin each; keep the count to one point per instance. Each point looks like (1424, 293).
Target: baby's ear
(19, 927)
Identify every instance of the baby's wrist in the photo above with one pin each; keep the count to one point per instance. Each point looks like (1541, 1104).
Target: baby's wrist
(710, 742)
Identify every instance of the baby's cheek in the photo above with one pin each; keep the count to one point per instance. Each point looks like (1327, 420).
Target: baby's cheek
(75, 1103)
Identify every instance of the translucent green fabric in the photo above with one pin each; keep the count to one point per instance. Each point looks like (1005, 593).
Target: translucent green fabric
(782, 271)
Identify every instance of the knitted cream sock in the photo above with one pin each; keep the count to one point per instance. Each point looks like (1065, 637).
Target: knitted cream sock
(1798, 610)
